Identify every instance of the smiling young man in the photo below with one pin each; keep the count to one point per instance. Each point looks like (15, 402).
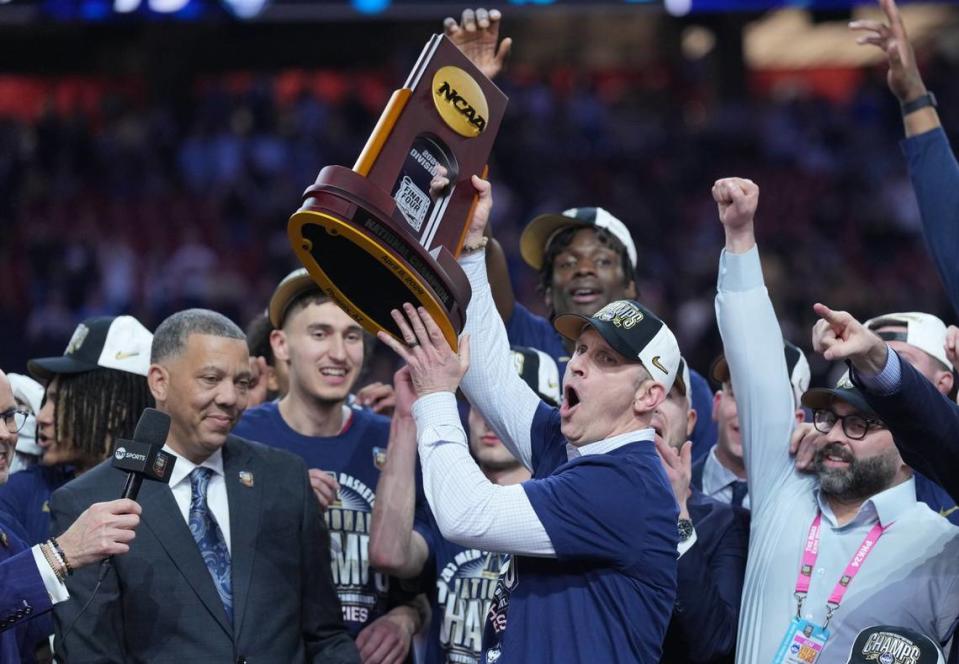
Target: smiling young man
(834, 551)
(594, 534)
(232, 559)
(322, 350)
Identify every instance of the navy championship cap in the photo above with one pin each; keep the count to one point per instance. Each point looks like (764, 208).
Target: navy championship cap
(885, 644)
(108, 342)
(821, 398)
(634, 332)
(540, 232)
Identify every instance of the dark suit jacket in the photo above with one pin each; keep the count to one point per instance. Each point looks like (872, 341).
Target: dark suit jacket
(704, 622)
(924, 424)
(22, 598)
(159, 604)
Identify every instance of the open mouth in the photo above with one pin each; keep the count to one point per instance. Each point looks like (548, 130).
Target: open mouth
(335, 372)
(570, 401)
(584, 295)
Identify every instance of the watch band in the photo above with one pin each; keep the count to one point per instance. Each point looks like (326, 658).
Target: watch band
(685, 528)
(928, 99)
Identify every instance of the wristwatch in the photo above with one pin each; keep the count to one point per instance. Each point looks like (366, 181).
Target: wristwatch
(922, 101)
(685, 529)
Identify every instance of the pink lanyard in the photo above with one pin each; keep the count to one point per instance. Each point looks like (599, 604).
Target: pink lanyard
(811, 553)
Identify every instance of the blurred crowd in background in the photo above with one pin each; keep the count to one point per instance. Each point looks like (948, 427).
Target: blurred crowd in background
(113, 200)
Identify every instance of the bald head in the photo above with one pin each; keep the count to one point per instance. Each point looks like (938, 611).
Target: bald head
(8, 437)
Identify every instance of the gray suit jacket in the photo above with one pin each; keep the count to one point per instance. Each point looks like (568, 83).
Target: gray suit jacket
(159, 604)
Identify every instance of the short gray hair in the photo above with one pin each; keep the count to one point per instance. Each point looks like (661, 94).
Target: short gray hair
(171, 336)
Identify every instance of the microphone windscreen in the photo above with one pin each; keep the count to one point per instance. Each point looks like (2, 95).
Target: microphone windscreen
(152, 428)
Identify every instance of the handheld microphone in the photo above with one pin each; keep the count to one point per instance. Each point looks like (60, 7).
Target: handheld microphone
(143, 457)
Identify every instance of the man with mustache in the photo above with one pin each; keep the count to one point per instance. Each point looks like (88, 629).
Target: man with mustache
(848, 546)
(924, 422)
(232, 560)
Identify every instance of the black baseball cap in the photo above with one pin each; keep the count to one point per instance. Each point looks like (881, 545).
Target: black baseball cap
(634, 332)
(845, 390)
(885, 644)
(108, 342)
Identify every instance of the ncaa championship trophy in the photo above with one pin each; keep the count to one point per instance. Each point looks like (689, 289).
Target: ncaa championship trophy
(372, 237)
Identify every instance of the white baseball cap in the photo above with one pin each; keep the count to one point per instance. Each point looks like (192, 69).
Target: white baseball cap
(108, 342)
(924, 331)
(636, 333)
(541, 230)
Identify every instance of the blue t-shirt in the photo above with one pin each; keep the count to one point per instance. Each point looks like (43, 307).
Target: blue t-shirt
(609, 594)
(524, 328)
(465, 580)
(354, 457)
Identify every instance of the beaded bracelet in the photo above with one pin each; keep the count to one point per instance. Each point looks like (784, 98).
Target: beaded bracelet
(62, 555)
(50, 555)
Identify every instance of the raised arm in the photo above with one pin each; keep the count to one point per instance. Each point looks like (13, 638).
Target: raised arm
(924, 423)
(932, 164)
(468, 508)
(752, 344)
(477, 35)
(903, 78)
(395, 547)
(491, 384)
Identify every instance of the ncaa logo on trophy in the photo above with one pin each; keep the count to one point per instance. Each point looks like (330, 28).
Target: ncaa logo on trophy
(372, 237)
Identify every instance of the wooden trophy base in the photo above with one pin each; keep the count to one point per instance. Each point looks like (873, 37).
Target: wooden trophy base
(370, 265)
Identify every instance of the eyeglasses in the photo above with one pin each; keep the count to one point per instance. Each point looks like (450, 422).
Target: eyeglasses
(854, 426)
(15, 418)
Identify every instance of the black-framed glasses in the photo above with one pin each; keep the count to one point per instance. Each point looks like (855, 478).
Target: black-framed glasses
(15, 418)
(854, 426)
